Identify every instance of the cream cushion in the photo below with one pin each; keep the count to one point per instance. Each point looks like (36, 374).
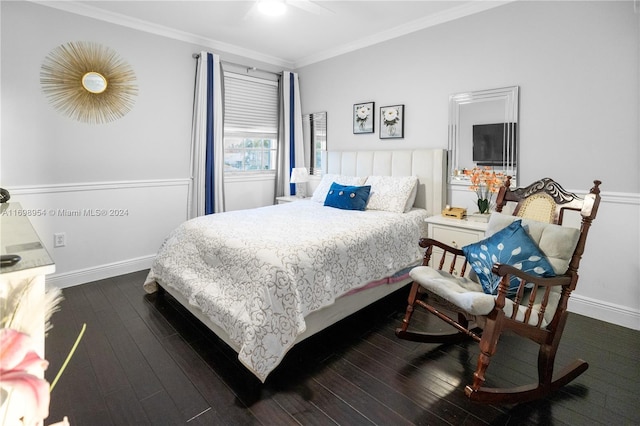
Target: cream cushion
(555, 241)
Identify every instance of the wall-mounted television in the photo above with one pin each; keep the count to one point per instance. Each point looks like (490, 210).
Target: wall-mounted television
(488, 143)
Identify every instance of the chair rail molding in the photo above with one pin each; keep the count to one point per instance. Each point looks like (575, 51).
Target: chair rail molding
(607, 196)
(111, 228)
(96, 186)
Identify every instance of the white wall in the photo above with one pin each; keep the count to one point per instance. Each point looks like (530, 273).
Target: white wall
(40, 145)
(139, 163)
(110, 228)
(576, 64)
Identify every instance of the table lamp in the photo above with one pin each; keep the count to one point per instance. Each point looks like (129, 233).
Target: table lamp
(300, 176)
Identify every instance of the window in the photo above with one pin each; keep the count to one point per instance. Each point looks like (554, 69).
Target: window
(250, 123)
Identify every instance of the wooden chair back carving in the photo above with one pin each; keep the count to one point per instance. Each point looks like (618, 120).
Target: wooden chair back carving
(529, 200)
(546, 201)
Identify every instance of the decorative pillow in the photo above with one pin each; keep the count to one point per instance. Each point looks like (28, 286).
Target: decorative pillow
(392, 193)
(347, 197)
(510, 246)
(321, 191)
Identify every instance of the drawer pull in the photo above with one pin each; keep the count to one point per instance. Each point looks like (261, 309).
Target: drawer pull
(454, 244)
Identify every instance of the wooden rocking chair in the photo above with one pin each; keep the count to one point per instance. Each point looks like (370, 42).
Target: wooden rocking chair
(534, 307)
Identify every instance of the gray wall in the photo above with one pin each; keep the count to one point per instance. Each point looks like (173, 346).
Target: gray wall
(151, 142)
(576, 64)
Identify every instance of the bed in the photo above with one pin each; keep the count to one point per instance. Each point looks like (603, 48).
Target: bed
(265, 279)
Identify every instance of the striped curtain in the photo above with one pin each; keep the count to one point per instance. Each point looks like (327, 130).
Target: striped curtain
(290, 144)
(206, 194)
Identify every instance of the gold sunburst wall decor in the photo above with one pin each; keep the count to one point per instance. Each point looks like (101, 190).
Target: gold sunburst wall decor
(88, 82)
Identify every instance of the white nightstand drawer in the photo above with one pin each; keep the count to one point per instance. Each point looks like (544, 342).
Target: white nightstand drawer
(457, 238)
(448, 230)
(453, 232)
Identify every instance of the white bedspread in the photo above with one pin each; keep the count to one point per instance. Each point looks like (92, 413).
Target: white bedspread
(257, 273)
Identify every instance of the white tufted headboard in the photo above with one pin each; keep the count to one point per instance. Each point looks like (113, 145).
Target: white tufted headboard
(429, 165)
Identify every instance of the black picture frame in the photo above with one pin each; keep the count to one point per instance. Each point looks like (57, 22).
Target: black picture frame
(364, 118)
(392, 122)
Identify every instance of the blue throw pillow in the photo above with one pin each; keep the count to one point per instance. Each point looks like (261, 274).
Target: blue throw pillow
(509, 246)
(347, 197)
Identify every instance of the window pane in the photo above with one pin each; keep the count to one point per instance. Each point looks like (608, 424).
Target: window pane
(233, 160)
(250, 153)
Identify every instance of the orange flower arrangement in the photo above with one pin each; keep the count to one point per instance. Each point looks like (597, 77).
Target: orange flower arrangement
(485, 182)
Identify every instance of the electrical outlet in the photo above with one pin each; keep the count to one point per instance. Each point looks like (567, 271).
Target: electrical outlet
(59, 239)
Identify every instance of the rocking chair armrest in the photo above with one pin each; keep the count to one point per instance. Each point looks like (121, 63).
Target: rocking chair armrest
(530, 303)
(504, 270)
(430, 242)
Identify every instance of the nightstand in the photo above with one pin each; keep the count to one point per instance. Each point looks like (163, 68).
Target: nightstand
(453, 232)
(289, 198)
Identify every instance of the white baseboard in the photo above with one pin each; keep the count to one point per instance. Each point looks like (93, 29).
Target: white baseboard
(88, 275)
(608, 312)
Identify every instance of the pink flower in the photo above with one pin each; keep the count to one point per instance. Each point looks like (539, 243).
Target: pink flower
(20, 367)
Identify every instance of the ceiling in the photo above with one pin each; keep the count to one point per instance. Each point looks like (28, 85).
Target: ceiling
(308, 32)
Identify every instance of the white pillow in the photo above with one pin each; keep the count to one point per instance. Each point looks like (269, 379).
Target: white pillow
(322, 189)
(392, 193)
(412, 197)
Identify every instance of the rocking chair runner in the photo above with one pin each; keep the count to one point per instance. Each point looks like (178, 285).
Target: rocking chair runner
(533, 307)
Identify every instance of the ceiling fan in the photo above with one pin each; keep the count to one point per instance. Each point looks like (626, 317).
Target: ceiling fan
(279, 7)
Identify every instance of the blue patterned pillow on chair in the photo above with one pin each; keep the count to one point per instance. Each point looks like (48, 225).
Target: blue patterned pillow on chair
(348, 197)
(509, 246)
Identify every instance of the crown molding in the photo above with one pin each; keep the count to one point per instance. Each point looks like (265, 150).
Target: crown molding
(404, 29)
(401, 30)
(161, 30)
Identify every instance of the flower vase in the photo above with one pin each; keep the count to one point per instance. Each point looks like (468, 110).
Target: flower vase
(392, 130)
(483, 205)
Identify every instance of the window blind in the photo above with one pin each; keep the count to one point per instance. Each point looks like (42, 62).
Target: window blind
(251, 104)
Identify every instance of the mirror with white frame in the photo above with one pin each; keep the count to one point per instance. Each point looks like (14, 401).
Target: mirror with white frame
(483, 129)
(314, 128)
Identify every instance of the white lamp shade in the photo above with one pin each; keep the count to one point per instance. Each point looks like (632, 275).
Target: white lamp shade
(299, 175)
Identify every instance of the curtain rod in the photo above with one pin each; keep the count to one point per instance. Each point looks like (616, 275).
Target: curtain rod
(197, 55)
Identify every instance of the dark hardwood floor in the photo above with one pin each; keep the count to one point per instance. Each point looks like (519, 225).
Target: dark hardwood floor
(146, 360)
